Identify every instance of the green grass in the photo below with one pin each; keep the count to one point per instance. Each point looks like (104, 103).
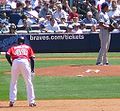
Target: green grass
(4, 86)
(48, 63)
(64, 87)
(52, 55)
(75, 87)
(61, 55)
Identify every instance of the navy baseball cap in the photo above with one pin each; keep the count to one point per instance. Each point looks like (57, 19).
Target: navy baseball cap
(105, 4)
(21, 40)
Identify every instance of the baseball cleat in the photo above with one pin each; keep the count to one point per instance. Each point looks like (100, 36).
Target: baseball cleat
(32, 104)
(11, 104)
(99, 64)
(106, 64)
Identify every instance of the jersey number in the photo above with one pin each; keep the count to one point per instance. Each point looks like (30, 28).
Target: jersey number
(21, 52)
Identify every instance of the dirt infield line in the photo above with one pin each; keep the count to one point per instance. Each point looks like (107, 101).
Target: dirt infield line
(65, 58)
(56, 59)
(65, 105)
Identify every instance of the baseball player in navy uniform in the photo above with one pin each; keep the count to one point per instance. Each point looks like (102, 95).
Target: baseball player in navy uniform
(21, 58)
(104, 35)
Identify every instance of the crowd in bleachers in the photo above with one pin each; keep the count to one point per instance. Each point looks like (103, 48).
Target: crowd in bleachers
(54, 16)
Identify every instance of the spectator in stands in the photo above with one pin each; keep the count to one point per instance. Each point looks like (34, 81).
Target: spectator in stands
(4, 6)
(47, 19)
(52, 5)
(11, 3)
(75, 20)
(12, 29)
(63, 24)
(89, 19)
(24, 18)
(72, 12)
(16, 13)
(3, 28)
(59, 12)
(63, 21)
(82, 26)
(34, 3)
(109, 4)
(94, 28)
(39, 6)
(4, 18)
(86, 6)
(94, 9)
(45, 10)
(53, 26)
(3, 2)
(76, 29)
(24, 24)
(19, 7)
(114, 13)
(118, 2)
(86, 30)
(27, 4)
(69, 29)
(32, 14)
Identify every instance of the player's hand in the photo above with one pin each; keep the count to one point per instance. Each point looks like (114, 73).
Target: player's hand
(32, 74)
(11, 64)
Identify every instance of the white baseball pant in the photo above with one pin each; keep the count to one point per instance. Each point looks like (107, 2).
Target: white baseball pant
(105, 38)
(21, 66)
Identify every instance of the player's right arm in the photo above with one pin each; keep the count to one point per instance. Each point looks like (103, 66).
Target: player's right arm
(8, 57)
(32, 57)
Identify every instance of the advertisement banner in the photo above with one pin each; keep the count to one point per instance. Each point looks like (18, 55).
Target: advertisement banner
(60, 43)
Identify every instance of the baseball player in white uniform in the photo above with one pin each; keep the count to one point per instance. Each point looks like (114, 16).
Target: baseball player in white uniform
(21, 58)
(104, 35)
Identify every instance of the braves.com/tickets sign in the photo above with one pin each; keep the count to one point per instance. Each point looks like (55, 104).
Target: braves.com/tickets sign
(60, 43)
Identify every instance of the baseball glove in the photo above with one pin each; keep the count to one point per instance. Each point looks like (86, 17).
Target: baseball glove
(113, 25)
(111, 28)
